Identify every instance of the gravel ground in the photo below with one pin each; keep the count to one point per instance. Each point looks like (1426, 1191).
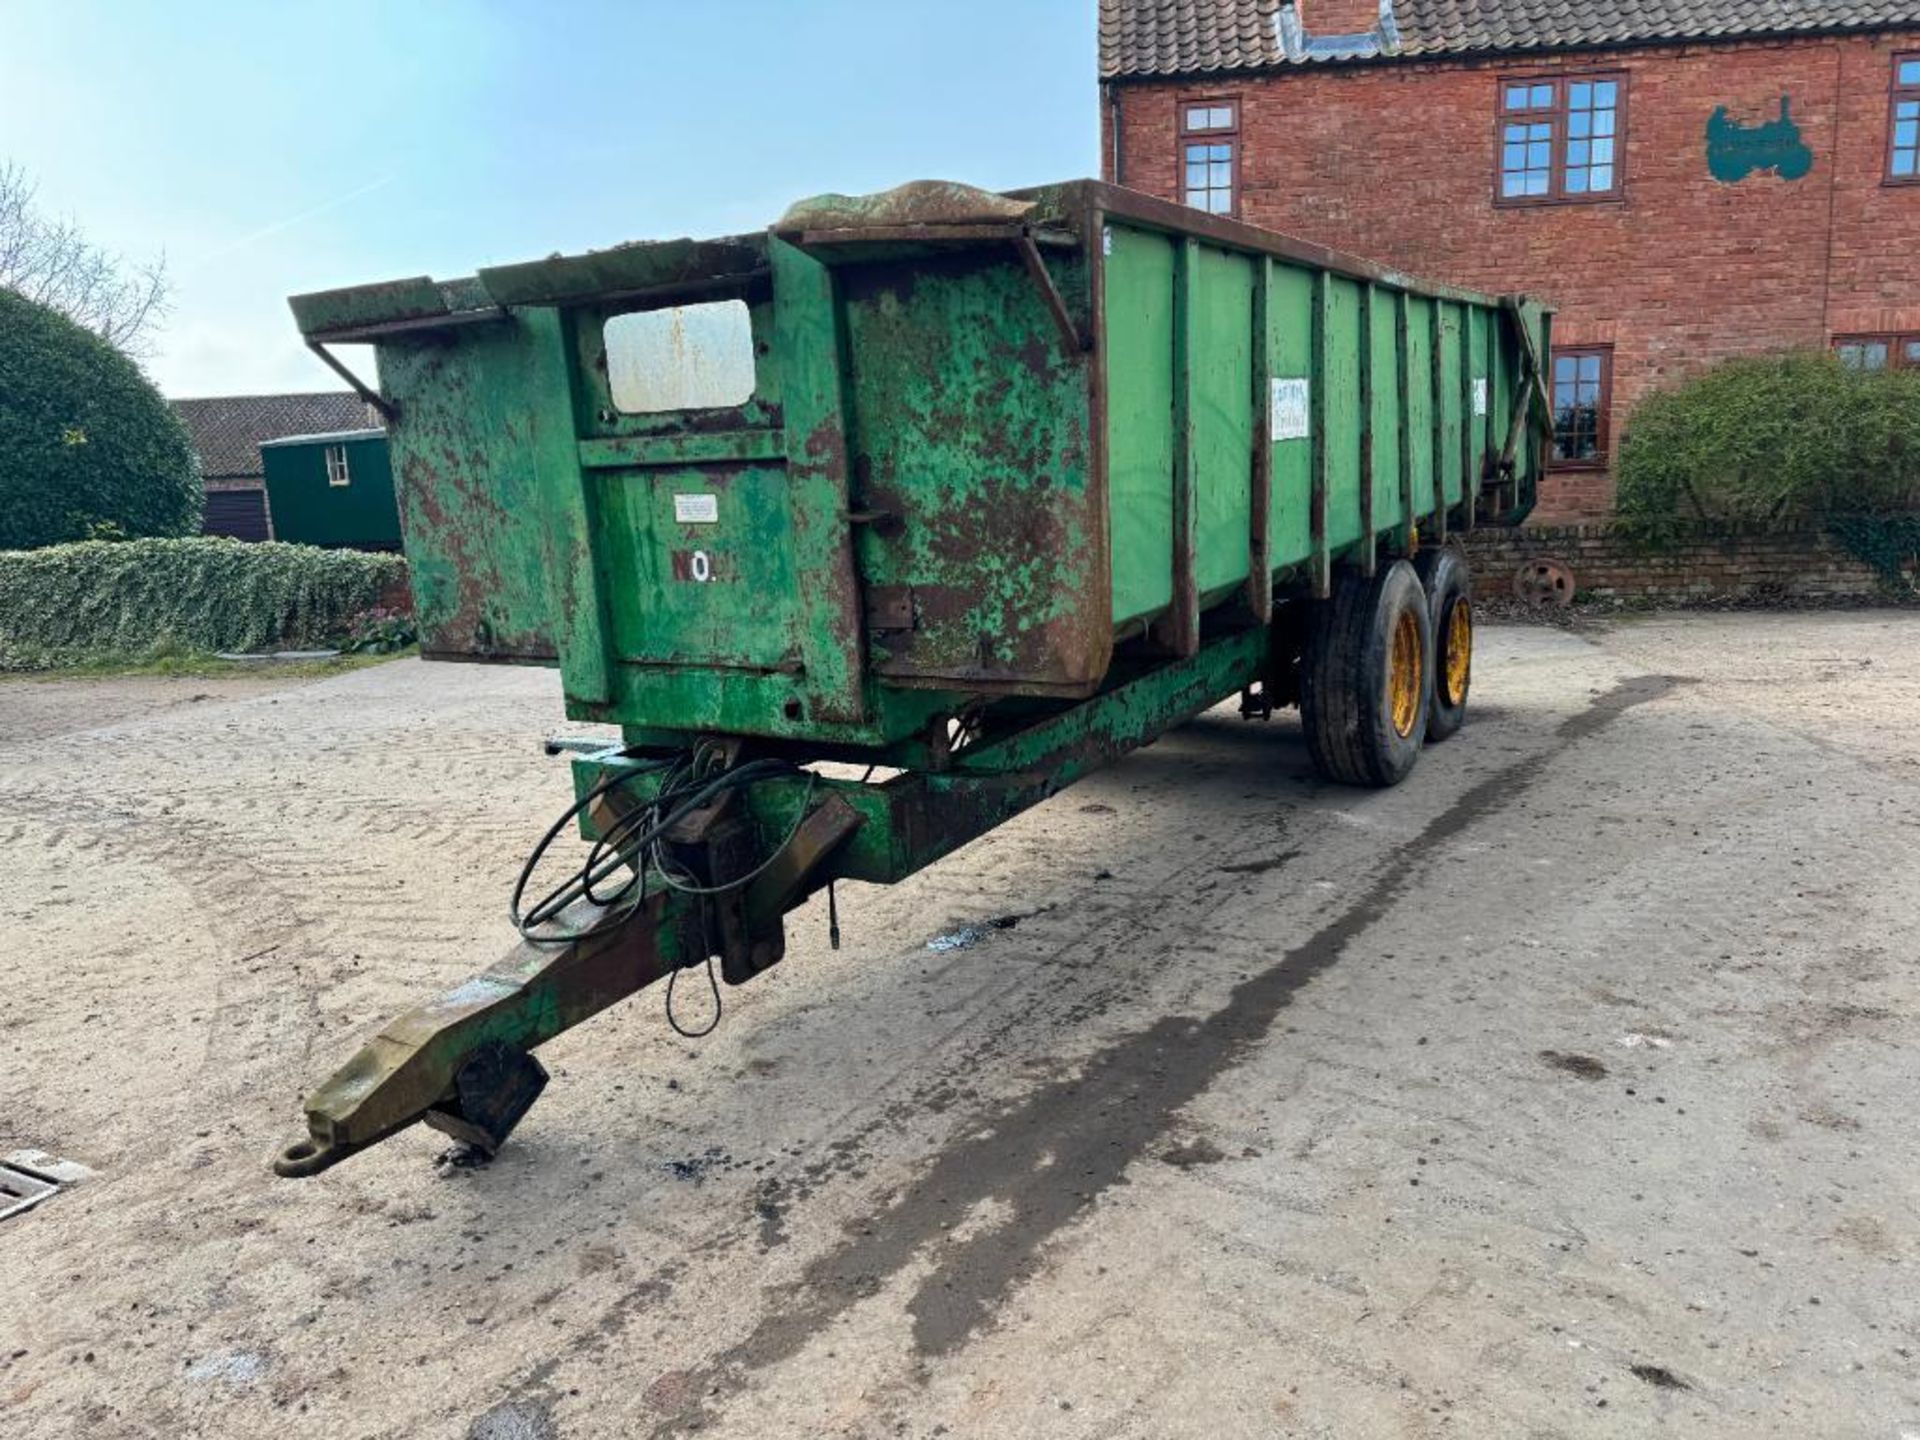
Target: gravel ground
(1564, 1091)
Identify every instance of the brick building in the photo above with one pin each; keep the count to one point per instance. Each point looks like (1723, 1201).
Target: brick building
(1684, 179)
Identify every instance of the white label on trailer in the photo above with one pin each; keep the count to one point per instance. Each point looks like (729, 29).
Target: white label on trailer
(1480, 396)
(696, 509)
(1292, 404)
(1106, 240)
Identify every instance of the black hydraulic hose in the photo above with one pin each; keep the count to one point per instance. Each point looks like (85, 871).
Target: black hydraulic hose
(625, 844)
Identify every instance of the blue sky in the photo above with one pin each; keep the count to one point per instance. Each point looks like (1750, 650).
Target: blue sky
(273, 147)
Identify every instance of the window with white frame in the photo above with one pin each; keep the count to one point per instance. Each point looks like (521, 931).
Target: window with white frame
(337, 473)
(1210, 155)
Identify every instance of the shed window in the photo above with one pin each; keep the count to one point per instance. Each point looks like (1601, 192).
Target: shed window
(1582, 396)
(1561, 138)
(1878, 352)
(1903, 147)
(1210, 155)
(337, 473)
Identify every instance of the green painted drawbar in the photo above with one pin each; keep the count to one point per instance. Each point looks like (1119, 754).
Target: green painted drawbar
(950, 445)
(978, 490)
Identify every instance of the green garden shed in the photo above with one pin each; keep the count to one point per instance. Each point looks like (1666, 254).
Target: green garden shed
(334, 489)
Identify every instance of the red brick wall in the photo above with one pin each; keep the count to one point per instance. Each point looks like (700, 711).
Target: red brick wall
(1339, 17)
(1396, 162)
(1708, 565)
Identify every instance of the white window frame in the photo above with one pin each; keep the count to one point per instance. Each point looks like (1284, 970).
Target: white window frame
(338, 472)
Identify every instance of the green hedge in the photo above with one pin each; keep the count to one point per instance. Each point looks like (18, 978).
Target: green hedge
(1782, 438)
(88, 449)
(139, 598)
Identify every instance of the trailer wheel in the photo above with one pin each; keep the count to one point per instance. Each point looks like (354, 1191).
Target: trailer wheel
(1449, 585)
(1366, 679)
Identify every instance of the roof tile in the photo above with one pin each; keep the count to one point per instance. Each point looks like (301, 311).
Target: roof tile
(1178, 37)
(227, 429)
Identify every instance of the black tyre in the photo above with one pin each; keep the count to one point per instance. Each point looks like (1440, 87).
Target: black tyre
(1449, 586)
(1365, 680)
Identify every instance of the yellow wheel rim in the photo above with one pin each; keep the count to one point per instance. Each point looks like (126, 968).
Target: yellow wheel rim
(1457, 665)
(1407, 674)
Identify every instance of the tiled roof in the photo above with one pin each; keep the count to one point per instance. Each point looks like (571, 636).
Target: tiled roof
(227, 429)
(1175, 37)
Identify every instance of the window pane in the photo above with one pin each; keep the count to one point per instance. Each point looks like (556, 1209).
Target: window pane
(1196, 117)
(1603, 121)
(1577, 152)
(1907, 110)
(1907, 134)
(1516, 97)
(1911, 349)
(1603, 152)
(1223, 117)
(1222, 202)
(1220, 176)
(1590, 368)
(1540, 154)
(1600, 177)
(1196, 177)
(1577, 182)
(1579, 95)
(1580, 124)
(1910, 72)
(1906, 162)
(1605, 94)
(1542, 97)
(1536, 182)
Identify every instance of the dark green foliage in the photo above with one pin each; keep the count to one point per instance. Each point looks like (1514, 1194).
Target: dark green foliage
(88, 449)
(1784, 438)
(379, 631)
(1889, 543)
(139, 598)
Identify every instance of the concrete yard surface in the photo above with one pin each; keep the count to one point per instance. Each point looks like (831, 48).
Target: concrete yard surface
(1565, 1091)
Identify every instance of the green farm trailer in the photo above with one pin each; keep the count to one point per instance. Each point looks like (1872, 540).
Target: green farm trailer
(975, 490)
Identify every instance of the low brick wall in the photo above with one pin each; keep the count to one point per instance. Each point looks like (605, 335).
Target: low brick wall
(1712, 564)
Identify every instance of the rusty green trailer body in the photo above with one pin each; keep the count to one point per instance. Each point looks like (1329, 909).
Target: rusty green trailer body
(977, 459)
(986, 489)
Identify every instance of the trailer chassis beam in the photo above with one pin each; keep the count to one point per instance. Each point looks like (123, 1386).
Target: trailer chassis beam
(462, 1062)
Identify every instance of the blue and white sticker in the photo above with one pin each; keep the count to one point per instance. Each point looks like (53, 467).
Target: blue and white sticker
(1291, 409)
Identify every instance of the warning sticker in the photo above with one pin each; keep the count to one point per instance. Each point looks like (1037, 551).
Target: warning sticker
(1480, 396)
(696, 509)
(1292, 404)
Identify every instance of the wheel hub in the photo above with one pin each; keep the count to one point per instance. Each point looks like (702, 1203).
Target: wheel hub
(1406, 674)
(1457, 651)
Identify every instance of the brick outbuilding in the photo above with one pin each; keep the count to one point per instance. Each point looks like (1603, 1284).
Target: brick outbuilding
(1684, 179)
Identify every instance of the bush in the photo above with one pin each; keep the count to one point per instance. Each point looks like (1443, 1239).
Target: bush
(1765, 440)
(139, 598)
(88, 449)
(379, 631)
